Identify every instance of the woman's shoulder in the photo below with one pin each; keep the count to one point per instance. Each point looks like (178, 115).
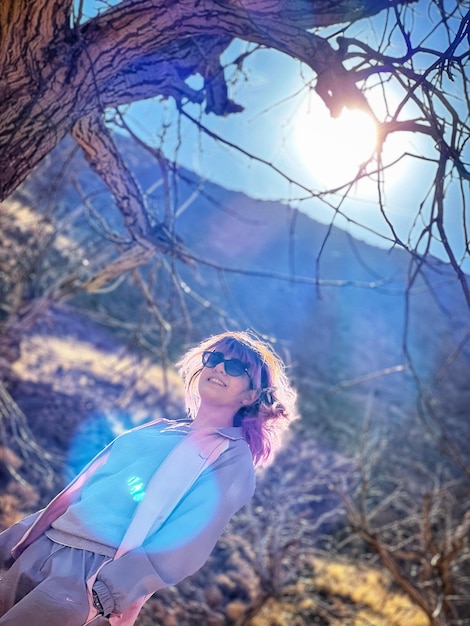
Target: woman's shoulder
(239, 454)
(235, 470)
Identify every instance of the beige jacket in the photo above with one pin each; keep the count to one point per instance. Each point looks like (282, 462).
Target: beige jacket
(136, 572)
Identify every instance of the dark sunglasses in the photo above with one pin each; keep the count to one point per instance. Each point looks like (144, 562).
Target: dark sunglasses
(233, 367)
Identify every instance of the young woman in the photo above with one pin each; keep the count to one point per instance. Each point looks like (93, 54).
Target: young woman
(148, 510)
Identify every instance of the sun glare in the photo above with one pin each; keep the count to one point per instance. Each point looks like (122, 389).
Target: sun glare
(332, 149)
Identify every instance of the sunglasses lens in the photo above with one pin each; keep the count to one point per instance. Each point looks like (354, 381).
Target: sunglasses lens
(211, 359)
(234, 367)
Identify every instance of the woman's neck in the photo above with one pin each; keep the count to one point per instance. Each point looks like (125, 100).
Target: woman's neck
(214, 417)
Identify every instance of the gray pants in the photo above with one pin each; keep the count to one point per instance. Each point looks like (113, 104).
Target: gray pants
(46, 586)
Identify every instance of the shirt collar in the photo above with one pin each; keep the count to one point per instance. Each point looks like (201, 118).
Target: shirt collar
(232, 432)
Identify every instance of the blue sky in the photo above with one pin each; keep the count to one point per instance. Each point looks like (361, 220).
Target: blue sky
(275, 126)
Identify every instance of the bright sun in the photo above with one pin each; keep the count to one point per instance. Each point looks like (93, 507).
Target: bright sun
(331, 150)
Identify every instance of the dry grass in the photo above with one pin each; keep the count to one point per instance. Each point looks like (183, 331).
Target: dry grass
(41, 357)
(356, 595)
(66, 364)
(370, 589)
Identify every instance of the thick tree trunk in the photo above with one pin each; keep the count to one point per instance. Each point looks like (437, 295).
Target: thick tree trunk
(33, 102)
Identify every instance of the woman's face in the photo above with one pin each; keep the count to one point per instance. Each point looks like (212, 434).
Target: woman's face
(218, 387)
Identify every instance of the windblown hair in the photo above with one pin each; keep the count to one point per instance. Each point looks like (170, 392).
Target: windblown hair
(264, 421)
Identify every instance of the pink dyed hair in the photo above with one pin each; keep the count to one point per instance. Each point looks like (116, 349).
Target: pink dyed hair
(264, 421)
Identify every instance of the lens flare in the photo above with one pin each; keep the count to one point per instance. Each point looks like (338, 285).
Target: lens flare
(136, 488)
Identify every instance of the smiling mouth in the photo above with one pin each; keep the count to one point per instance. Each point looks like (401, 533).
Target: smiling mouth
(216, 381)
